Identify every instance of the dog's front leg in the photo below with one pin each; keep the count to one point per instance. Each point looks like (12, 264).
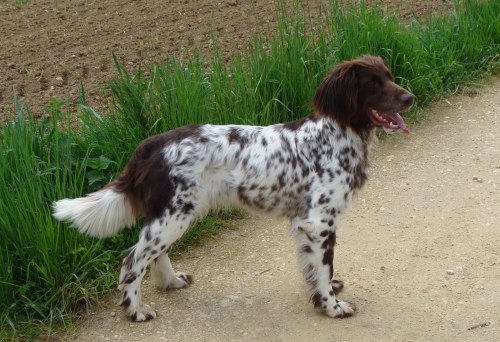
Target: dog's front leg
(316, 244)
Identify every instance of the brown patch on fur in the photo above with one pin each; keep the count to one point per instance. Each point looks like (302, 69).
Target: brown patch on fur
(316, 299)
(129, 259)
(295, 125)
(188, 278)
(353, 87)
(337, 286)
(145, 180)
(125, 303)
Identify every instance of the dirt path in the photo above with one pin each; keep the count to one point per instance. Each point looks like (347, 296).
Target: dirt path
(419, 253)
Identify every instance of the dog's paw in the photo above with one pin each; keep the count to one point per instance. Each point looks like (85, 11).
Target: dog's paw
(337, 286)
(177, 281)
(180, 281)
(340, 310)
(184, 280)
(144, 313)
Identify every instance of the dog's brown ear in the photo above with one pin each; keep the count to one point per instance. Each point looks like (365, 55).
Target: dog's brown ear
(337, 95)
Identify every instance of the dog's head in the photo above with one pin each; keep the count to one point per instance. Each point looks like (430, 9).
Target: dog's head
(362, 94)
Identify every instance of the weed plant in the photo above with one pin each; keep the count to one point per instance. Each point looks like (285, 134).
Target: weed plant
(49, 270)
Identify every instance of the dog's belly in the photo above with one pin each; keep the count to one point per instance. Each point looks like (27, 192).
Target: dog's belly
(258, 195)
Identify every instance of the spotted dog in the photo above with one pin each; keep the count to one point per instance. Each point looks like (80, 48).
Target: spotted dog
(306, 170)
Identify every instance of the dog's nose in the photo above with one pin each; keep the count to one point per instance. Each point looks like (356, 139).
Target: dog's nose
(407, 99)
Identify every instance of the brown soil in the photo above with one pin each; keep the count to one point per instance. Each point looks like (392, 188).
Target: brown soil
(48, 47)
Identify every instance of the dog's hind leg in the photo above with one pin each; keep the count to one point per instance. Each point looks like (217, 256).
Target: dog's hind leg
(164, 276)
(154, 243)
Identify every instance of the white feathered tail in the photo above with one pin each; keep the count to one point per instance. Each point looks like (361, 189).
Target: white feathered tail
(101, 214)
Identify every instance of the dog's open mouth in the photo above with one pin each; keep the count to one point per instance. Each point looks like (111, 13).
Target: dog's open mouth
(390, 122)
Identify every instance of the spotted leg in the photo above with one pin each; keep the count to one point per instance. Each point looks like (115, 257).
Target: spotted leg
(154, 241)
(315, 243)
(164, 276)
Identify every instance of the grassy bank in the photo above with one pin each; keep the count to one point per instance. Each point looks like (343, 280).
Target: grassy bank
(49, 271)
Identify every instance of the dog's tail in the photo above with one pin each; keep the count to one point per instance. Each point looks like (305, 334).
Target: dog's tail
(105, 212)
(117, 205)
(100, 214)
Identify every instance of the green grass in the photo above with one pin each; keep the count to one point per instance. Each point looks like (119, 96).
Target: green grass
(50, 271)
(16, 2)
(47, 269)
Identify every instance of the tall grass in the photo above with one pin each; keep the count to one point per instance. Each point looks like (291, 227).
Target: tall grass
(49, 270)
(43, 264)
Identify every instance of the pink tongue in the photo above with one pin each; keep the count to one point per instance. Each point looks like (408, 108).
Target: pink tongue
(400, 122)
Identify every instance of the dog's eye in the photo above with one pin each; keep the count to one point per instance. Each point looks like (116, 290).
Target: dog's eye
(374, 83)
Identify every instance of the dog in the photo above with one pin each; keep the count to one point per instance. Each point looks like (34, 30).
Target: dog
(307, 170)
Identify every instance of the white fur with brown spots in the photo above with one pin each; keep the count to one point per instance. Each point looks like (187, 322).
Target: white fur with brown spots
(307, 170)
